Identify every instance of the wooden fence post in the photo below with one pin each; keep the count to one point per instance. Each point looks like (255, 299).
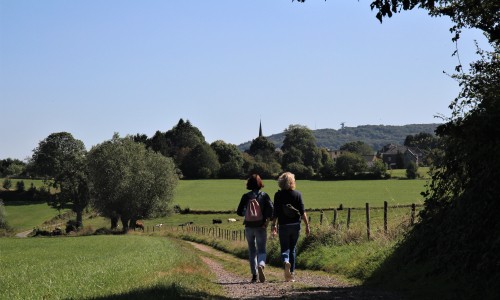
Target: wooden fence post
(385, 217)
(348, 218)
(334, 222)
(321, 218)
(368, 220)
(412, 216)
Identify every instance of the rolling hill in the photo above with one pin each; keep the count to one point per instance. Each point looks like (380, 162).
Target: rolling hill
(374, 135)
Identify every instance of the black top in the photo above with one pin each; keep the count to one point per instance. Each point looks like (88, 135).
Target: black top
(264, 202)
(282, 198)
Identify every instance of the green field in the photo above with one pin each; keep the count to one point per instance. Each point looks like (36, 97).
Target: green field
(154, 267)
(37, 183)
(26, 215)
(221, 195)
(224, 195)
(124, 266)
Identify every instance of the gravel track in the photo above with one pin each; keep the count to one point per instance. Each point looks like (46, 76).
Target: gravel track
(308, 285)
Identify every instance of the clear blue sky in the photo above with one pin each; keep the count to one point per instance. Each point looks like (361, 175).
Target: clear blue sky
(93, 68)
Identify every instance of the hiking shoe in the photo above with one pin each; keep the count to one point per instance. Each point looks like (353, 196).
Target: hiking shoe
(262, 276)
(293, 277)
(288, 275)
(254, 278)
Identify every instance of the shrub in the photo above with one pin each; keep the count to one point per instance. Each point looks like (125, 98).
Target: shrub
(20, 186)
(7, 183)
(411, 170)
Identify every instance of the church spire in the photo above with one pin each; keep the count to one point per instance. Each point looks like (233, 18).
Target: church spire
(260, 128)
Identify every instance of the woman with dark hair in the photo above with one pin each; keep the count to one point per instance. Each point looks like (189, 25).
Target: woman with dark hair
(257, 208)
(288, 212)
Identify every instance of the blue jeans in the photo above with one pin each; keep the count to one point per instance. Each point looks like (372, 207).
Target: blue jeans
(256, 238)
(289, 235)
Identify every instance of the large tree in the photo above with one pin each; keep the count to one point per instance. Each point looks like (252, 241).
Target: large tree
(74, 187)
(60, 158)
(463, 198)
(130, 181)
(456, 242)
(11, 166)
(264, 158)
(299, 147)
(201, 163)
(181, 137)
(350, 164)
(230, 159)
(357, 147)
(157, 143)
(457, 238)
(54, 153)
(261, 146)
(424, 141)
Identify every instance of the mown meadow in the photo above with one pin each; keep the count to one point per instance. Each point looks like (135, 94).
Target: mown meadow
(102, 267)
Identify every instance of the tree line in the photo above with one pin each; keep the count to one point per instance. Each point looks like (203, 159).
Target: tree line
(134, 177)
(298, 153)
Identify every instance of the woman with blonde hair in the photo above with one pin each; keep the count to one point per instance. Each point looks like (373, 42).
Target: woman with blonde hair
(288, 213)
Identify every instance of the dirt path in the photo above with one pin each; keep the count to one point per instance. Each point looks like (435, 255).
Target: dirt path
(24, 233)
(308, 285)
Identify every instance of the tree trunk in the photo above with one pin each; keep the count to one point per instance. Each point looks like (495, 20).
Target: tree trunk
(132, 223)
(79, 218)
(114, 222)
(125, 223)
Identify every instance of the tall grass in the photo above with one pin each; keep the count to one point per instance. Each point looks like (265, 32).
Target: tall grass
(123, 266)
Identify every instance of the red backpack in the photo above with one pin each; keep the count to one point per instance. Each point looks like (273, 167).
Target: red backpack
(253, 214)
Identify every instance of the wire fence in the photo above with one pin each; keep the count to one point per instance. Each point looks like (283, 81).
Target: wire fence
(384, 220)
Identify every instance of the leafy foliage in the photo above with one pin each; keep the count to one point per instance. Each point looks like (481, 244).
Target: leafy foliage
(299, 147)
(262, 159)
(412, 170)
(350, 164)
(230, 159)
(463, 198)
(201, 163)
(11, 167)
(130, 181)
(61, 158)
(7, 183)
(479, 14)
(358, 147)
